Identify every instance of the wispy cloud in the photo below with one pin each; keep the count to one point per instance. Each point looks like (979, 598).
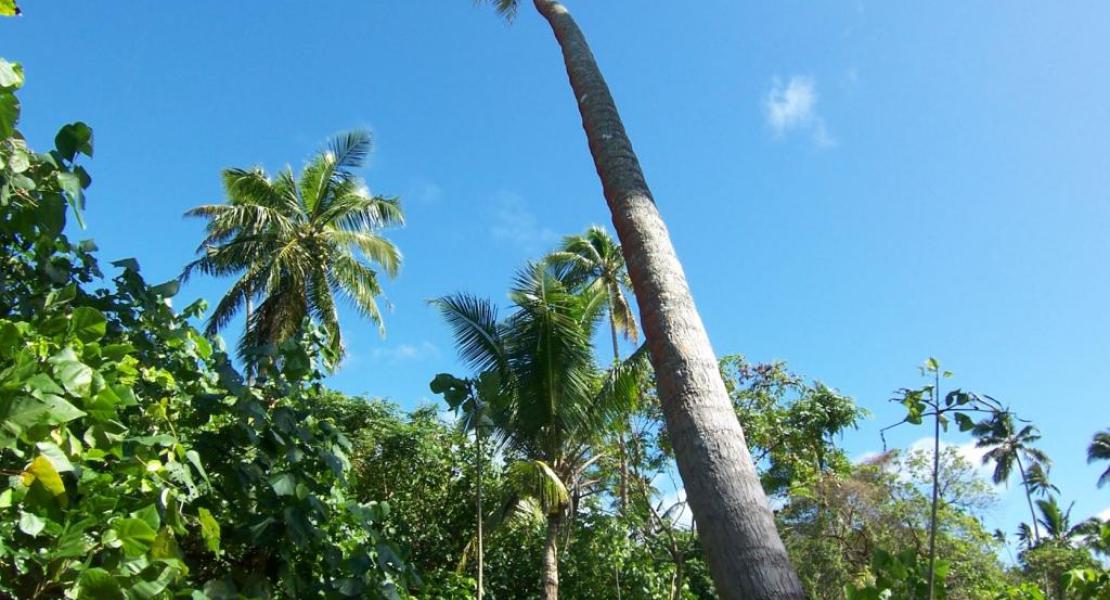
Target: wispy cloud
(405, 353)
(791, 106)
(514, 224)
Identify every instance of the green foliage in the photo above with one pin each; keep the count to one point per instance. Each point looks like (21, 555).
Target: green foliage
(903, 576)
(137, 463)
(789, 425)
(298, 244)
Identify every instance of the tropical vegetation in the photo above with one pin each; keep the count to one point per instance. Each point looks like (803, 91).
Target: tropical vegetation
(143, 460)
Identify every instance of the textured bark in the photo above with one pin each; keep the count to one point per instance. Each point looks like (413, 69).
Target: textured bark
(746, 557)
(551, 559)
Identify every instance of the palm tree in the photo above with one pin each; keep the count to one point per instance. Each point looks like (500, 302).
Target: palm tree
(746, 556)
(1100, 450)
(554, 401)
(594, 260)
(297, 243)
(1007, 447)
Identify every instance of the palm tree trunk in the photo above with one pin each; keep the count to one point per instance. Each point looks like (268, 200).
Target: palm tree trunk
(745, 554)
(624, 422)
(246, 329)
(1029, 499)
(551, 558)
(481, 549)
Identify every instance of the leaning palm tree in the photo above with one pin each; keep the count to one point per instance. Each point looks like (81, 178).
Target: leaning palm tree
(593, 260)
(554, 402)
(745, 553)
(1008, 445)
(1100, 450)
(294, 244)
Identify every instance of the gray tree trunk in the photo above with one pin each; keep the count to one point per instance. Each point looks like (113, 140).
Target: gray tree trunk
(746, 557)
(551, 558)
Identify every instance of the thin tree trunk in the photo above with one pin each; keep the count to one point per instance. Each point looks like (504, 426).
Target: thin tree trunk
(481, 549)
(1033, 514)
(623, 492)
(551, 558)
(246, 330)
(936, 475)
(1029, 499)
(746, 556)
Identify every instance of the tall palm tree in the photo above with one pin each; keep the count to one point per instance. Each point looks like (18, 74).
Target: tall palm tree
(746, 555)
(1100, 450)
(297, 243)
(554, 400)
(1008, 445)
(594, 260)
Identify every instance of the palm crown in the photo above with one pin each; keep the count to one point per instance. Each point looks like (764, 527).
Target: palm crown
(297, 243)
(1100, 450)
(594, 261)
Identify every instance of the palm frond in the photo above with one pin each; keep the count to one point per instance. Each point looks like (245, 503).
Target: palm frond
(474, 323)
(536, 479)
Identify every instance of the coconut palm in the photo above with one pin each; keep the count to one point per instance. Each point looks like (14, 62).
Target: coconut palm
(554, 401)
(594, 260)
(295, 243)
(1008, 445)
(1100, 450)
(745, 553)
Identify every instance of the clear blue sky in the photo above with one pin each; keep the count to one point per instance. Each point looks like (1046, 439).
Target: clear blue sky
(852, 186)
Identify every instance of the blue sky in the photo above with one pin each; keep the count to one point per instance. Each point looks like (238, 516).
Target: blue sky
(851, 186)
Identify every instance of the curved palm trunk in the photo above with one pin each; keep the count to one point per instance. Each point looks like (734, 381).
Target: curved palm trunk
(1029, 499)
(551, 558)
(746, 556)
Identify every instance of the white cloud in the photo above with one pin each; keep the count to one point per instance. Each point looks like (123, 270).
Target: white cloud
(424, 192)
(513, 223)
(1104, 515)
(792, 106)
(405, 352)
(967, 450)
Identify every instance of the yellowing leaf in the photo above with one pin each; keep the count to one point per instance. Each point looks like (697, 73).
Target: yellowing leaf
(43, 471)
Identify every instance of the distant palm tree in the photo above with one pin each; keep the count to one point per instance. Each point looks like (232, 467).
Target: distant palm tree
(1100, 450)
(1008, 445)
(554, 400)
(297, 243)
(593, 260)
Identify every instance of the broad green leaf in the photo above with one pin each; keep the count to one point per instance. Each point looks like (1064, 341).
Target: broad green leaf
(41, 385)
(6, 498)
(135, 536)
(75, 376)
(31, 524)
(56, 456)
(71, 185)
(194, 458)
(129, 264)
(98, 584)
(11, 74)
(209, 530)
(149, 515)
(932, 364)
(165, 546)
(89, 324)
(27, 412)
(8, 8)
(154, 588)
(964, 421)
(73, 139)
(284, 484)
(168, 289)
(9, 114)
